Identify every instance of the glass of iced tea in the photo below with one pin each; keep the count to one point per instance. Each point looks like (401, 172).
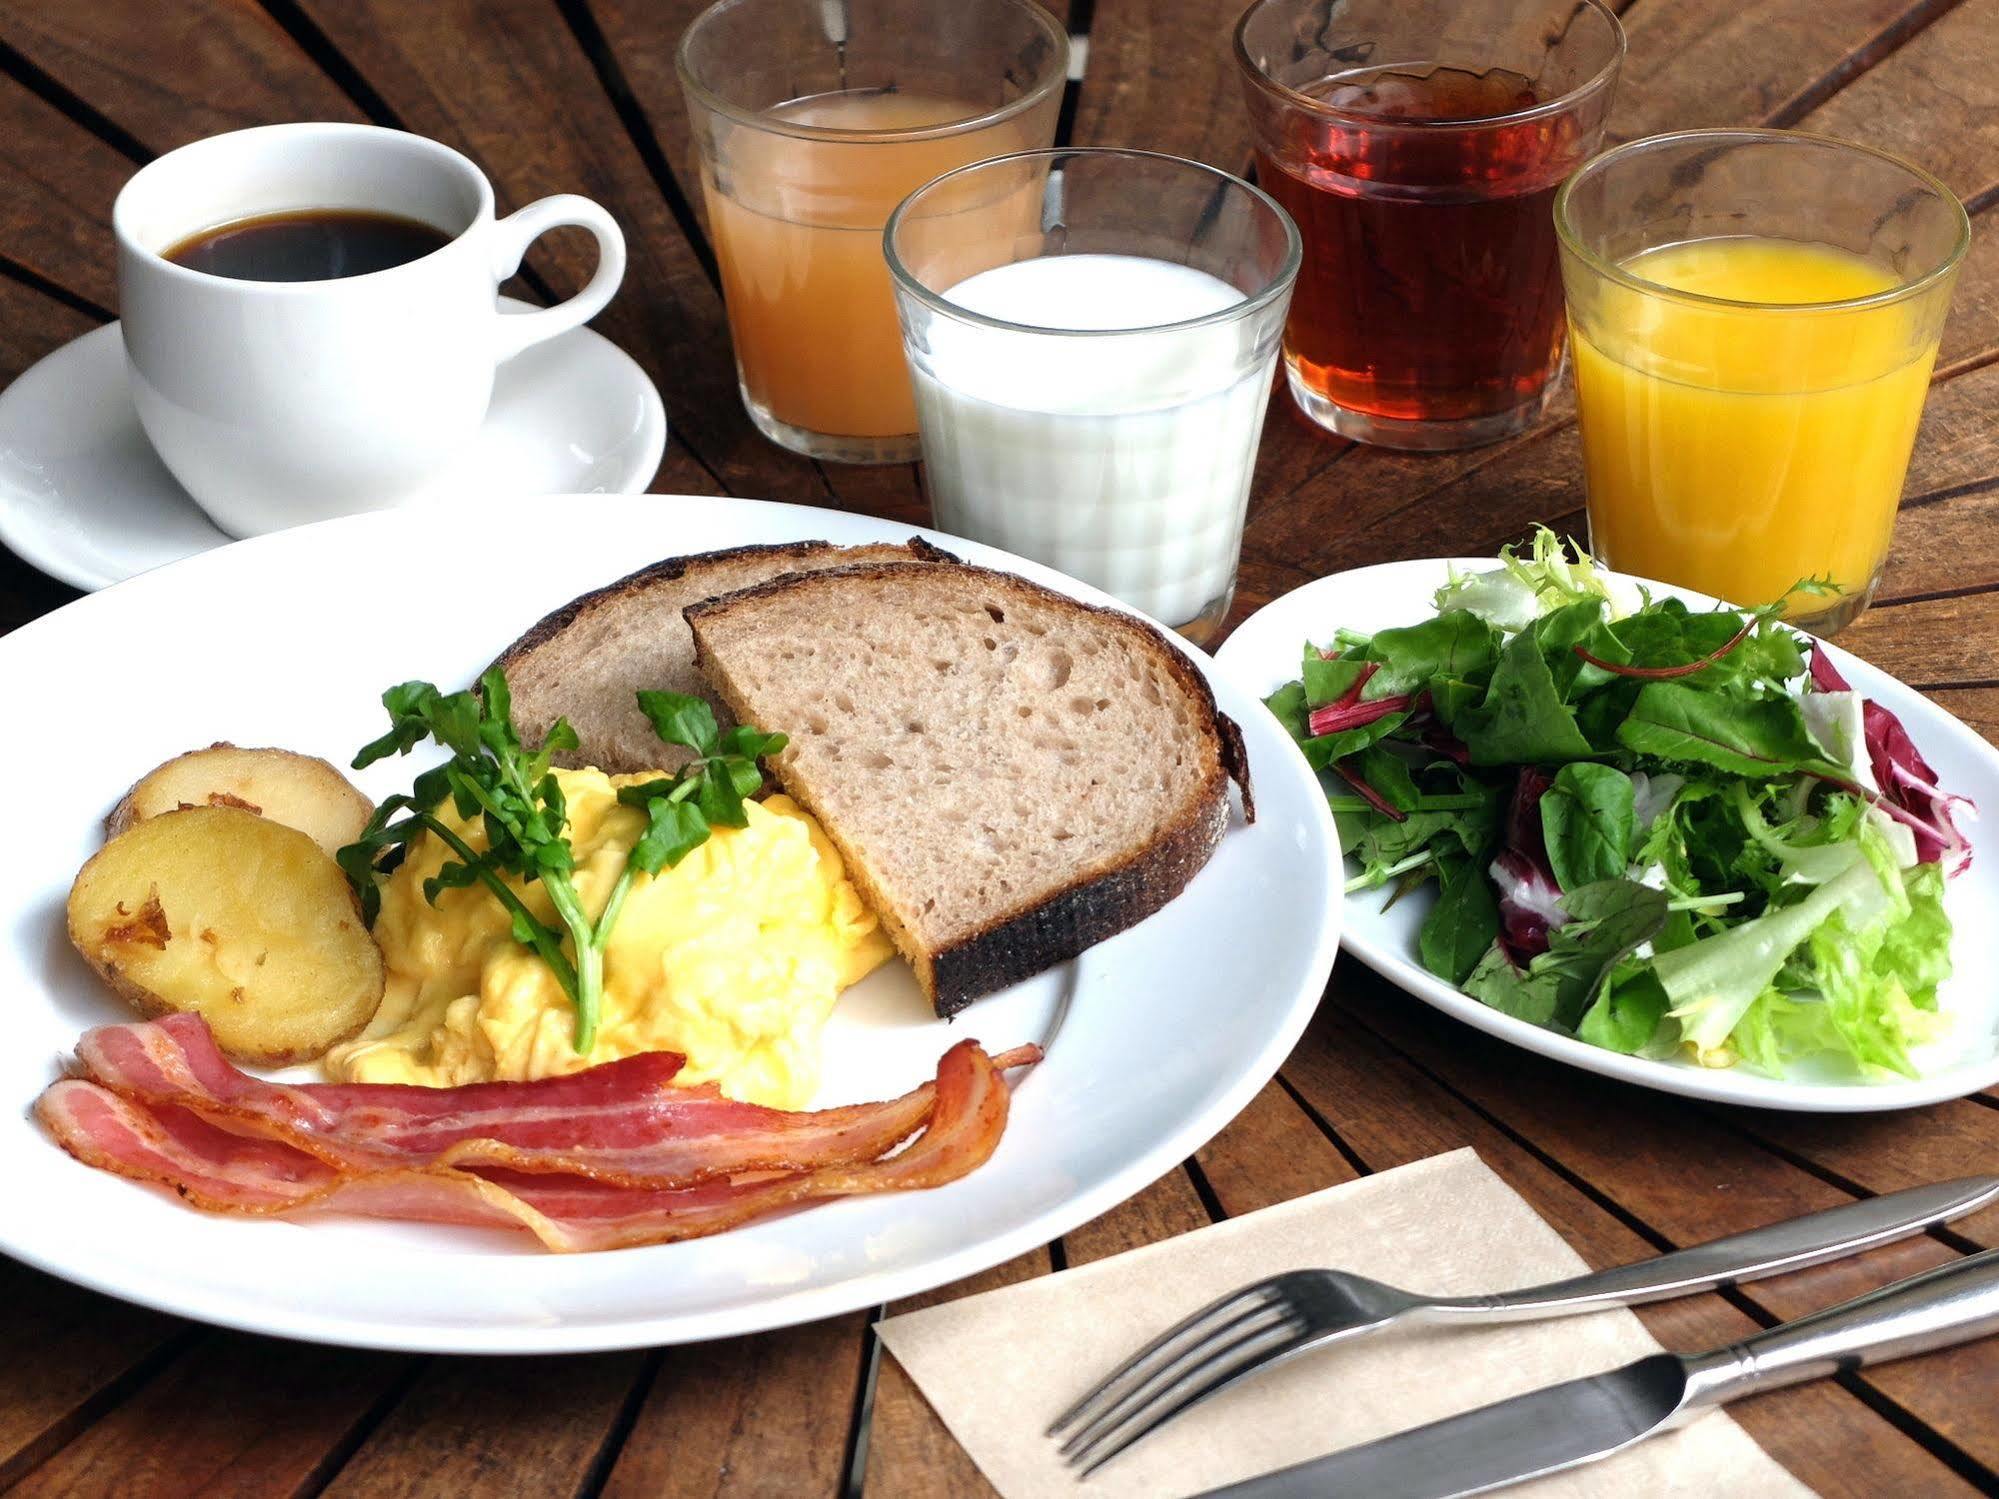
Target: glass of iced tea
(813, 119)
(1419, 144)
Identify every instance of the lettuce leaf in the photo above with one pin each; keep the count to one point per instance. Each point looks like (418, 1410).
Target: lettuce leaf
(1851, 969)
(1522, 589)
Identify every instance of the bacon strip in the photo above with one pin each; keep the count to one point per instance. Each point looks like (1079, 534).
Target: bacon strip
(619, 1123)
(222, 1171)
(208, 1166)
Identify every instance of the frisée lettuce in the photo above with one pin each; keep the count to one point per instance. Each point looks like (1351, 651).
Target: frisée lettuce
(1664, 831)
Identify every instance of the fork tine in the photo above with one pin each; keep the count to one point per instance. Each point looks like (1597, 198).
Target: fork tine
(1198, 1325)
(1243, 1357)
(1208, 1352)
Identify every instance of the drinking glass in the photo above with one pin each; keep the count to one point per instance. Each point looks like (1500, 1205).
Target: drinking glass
(1093, 335)
(1419, 143)
(813, 119)
(1754, 316)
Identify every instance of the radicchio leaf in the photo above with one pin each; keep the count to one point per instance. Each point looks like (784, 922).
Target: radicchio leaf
(1908, 785)
(1529, 899)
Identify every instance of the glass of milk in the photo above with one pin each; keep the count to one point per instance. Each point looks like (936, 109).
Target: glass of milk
(1091, 336)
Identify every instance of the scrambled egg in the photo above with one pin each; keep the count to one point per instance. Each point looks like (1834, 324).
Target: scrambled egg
(733, 957)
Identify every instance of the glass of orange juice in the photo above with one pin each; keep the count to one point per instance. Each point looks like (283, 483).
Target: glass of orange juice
(813, 119)
(1753, 316)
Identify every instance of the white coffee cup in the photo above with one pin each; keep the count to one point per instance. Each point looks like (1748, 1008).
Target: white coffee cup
(279, 402)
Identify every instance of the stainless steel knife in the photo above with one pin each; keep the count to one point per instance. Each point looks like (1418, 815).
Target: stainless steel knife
(1578, 1422)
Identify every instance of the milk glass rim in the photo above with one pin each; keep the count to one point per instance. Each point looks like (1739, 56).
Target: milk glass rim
(1601, 79)
(1054, 76)
(909, 282)
(1609, 270)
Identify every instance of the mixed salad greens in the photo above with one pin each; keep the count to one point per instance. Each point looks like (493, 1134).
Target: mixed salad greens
(1661, 830)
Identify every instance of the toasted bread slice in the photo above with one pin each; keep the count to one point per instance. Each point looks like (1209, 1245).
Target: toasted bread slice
(588, 660)
(1011, 776)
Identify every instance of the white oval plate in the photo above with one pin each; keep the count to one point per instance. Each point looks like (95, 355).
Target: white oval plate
(1155, 1039)
(1263, 654)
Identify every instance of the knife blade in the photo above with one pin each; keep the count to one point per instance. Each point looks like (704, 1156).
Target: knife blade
(1525, 1437)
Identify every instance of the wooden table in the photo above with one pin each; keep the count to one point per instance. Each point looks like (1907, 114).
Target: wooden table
(553, 95)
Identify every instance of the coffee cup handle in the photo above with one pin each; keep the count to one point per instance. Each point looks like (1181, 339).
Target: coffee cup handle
(511, 237)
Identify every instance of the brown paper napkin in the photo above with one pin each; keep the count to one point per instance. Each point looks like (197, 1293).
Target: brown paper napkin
(999, 1367)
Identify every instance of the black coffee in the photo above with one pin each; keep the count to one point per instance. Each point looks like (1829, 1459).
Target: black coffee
(313, 244)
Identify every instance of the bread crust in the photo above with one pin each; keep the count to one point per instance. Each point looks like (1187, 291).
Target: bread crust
(673, 570)
(1026, 942)
(1106, 899)
(549, 666)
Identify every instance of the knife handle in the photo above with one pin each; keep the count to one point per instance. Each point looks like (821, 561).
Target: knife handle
(1794, 1244)
(1951, 1304)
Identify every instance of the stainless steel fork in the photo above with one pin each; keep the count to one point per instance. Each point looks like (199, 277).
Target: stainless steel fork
(1279, 1318)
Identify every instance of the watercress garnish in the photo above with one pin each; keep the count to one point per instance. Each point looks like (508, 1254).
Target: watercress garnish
(509, 786)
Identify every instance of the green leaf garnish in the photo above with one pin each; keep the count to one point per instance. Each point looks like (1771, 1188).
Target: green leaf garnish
(513, 792)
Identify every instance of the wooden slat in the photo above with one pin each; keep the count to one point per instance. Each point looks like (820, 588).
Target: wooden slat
(746, 1416)
(31, 325)
(1935, 101)
(1270, 1153)
(1169, 1206)
(1977, 706)
(1937, 642)
(56, 185)
(507, 83)
(167, 75)
(642, 37)
(1393, 1114)
(242, 1415)
(1259, 580)
(499, 1427)
(1974, 305)
(64, 1355)
(1944, 546)
(1887, 1152)
(1711, 62)
(1162, 77)
(892, 491)
(1956, 445)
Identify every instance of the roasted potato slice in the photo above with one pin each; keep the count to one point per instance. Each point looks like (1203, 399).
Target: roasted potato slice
(243, 920)
(299, 791)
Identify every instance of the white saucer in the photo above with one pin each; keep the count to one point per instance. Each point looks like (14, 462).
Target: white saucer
(85, 499)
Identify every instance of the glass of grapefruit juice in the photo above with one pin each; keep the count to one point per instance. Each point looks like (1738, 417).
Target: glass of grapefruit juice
(812, 121)
(1753, 317)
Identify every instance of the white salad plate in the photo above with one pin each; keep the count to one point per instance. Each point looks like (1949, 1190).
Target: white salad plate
(1264, 653)
(1155, 1039)
(84, 497)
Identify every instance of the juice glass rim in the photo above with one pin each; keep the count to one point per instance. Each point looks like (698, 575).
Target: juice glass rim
(1571, 240)
(1601, 79)
(1053, 77)
(1279, 285)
